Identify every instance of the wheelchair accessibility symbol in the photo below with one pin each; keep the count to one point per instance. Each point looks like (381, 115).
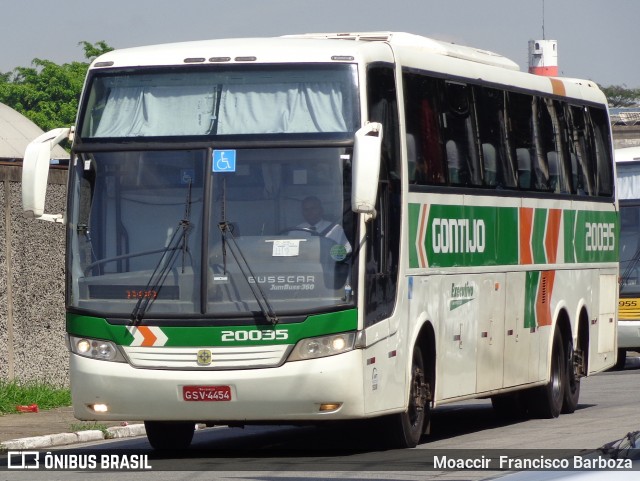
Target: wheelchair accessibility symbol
(224, 160)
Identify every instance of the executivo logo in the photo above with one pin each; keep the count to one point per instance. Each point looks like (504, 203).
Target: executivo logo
(460, 295)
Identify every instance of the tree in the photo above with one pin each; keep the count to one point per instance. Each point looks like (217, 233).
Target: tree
(48, 93)
(621, 96)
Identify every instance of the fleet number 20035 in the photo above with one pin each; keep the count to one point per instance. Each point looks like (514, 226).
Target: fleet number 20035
(600, 236)
(255, 335)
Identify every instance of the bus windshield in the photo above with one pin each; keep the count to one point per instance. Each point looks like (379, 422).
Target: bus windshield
(629, 247)
(192, 232)
(234, 100)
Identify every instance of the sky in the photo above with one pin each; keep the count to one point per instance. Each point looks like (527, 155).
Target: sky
(597, 39)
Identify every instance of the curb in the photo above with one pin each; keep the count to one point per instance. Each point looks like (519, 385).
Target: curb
(63, 439)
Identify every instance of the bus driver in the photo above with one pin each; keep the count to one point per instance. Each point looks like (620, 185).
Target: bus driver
(314, 222)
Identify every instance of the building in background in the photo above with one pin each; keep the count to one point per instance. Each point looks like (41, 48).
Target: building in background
(543, 57)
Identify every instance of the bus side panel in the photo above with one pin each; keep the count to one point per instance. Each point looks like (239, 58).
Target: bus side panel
(382, 389)
(522, 341)
(431, 301)
(457, 336)
(491, 336)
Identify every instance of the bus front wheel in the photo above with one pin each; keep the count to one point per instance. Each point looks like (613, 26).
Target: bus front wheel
(168, 435)
(547, 401)
(407, 428)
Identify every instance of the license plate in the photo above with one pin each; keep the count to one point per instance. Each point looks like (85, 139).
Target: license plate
(206, 393)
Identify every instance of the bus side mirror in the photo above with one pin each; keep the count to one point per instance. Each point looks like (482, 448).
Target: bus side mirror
(35, 173)
(366, 168)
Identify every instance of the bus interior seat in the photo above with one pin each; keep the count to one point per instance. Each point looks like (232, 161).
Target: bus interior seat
(490, 165)
(454, 162)
(552, 162)
(411, 157)
(524, 168)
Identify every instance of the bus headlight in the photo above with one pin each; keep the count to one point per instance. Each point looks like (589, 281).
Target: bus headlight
(95, 349)
(315, 347)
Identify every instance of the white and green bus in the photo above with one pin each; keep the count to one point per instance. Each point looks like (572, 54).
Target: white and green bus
(332, 227)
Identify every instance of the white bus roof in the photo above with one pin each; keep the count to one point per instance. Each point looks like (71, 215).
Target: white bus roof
(627, 154)
(438, 47)
(410, 50)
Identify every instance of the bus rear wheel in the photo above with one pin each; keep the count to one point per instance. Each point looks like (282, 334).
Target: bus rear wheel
(169, 435)
(572, 381)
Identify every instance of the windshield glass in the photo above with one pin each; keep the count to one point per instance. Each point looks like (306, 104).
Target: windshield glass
(288, 214)
(629, 247)
(196, 232)
(229, 100)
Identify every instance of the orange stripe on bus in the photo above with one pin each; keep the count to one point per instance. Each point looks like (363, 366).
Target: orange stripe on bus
(543, 299)
(149, 337)
(558, 86)
(526, 226)
(552, 235)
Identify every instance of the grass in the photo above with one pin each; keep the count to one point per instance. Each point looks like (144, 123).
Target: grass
(16, 393)
(90, 426)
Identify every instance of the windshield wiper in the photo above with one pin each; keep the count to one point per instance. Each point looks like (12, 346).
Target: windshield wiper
(178, 242)
(245, 269)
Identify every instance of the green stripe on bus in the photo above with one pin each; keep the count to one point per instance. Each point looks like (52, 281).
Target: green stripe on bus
(467, 236)
(599, 238)
(530, 295)
(538, 236)
(569, 236)
(193, 336)
(414, 215)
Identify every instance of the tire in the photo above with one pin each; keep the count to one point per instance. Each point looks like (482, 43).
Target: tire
(405, 429)
(168, 435)
(547, 401)
(572, 384)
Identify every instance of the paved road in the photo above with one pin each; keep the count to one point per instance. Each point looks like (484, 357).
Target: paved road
(608, 409)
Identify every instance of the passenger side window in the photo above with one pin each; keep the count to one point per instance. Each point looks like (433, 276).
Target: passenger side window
(520, 137)
(424, 133)
(581, 169)
(459, 137)
(497, 155)
(465, 135)
(602, 149)
(559, 159)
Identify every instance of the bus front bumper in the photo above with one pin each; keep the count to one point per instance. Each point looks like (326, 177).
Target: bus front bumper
(311, 390)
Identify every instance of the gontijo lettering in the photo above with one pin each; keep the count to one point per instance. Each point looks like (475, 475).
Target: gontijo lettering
(458, 235)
